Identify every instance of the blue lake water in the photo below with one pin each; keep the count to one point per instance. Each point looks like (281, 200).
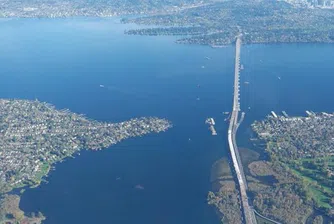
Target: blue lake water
(64, 62)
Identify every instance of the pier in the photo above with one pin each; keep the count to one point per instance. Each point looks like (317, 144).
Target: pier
(285, 114)
(211, 123)
(274, 114)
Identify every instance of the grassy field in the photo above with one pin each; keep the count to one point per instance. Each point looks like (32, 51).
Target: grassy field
(43, 170)
(317, 184)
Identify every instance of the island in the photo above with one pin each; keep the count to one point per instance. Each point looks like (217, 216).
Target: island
(35, 135)
(295, 184)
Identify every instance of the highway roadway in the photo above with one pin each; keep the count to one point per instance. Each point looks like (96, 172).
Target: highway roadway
(247, 210)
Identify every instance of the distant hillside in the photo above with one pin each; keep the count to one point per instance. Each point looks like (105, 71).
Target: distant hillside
(267, 21)
(312, 3)
(101, 8)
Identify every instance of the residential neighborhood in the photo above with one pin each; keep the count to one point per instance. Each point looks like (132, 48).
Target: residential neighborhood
(34, 135)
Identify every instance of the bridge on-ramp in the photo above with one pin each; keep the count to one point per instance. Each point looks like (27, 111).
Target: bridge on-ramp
(247, 210)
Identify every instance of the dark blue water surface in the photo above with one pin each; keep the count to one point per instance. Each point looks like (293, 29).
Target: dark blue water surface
(286, 77)
(64, 62)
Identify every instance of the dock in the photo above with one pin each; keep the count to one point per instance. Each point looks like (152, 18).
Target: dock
(274, 115)
(310, 113)
(211, 122)
(212, 129)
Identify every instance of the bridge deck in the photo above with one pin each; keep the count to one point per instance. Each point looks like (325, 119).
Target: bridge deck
(248, 213)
